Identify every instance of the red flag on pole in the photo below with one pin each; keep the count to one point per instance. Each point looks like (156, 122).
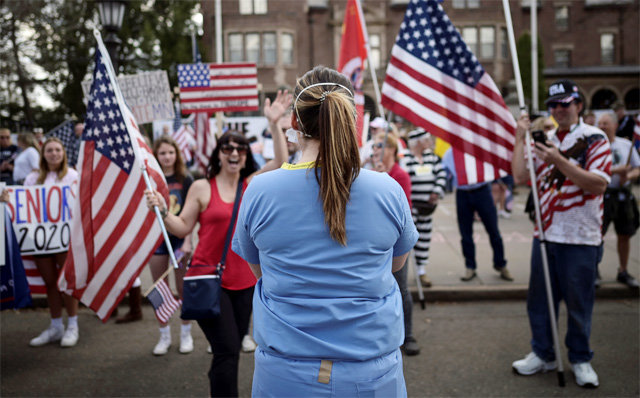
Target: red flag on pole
(353, 53)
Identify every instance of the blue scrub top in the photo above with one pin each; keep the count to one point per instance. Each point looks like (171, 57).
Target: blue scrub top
(317, 298)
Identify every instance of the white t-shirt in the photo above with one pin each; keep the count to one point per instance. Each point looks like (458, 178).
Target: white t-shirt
(27, 161)
(52, 178)
(569, 214)
(620, 150)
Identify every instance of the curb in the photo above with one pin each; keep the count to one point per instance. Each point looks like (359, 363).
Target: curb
(509, 292)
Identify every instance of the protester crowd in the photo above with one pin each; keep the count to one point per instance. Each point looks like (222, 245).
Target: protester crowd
(593, 165)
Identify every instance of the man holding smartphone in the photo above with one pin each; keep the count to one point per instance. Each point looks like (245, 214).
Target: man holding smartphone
(573, 169)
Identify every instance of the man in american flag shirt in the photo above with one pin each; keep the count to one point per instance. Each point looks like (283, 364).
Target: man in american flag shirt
(573, 168)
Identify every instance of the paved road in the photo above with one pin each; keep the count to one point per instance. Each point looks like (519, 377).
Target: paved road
(467, 349)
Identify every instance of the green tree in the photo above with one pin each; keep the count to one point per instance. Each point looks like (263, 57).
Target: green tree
(523, 47)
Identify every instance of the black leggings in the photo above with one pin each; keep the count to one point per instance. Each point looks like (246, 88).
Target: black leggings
(225, 334)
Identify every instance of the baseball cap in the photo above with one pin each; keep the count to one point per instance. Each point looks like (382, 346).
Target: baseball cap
(563, 91)
(417, 133)
(378, 123)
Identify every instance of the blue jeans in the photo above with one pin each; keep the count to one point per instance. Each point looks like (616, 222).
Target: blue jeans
(572, 270)
(407, 301)
(478, 200)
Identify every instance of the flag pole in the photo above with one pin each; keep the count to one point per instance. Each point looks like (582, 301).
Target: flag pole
(164, 275)
(136, 149)
(376, 89)
(534, 189)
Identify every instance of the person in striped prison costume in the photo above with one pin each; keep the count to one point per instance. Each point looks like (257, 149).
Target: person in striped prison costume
(428, 178)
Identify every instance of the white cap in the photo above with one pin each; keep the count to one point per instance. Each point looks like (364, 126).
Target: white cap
(378, 123)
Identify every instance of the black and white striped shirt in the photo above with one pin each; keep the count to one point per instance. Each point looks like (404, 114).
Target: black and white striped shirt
(427, 177)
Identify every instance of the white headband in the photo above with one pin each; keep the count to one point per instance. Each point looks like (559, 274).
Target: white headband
(324, 95)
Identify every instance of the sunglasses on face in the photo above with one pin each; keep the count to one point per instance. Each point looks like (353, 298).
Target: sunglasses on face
(377, 145)
(228, 149)
(565, 105)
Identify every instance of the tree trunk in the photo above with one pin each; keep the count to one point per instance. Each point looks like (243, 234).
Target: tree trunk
(22, 81)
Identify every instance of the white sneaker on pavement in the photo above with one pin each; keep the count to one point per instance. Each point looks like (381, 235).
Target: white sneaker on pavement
(50, 335)
(248, 344)
(70, 337)
(532, 364)
(585, 375)
(186, 343)
(163, 345)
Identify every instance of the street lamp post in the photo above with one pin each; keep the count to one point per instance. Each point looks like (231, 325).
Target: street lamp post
(111, 15)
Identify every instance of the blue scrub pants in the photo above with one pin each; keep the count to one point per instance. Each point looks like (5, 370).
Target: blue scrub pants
(478, 200)
(572, 269)
(276, 376)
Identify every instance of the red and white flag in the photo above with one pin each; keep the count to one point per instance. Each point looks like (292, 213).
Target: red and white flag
(224, 87)
(353, 54)
(113, 233)
(185, 138)
(434, 81)
(163, 302)
(205, 141)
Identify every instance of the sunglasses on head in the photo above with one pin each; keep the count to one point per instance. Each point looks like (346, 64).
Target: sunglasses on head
(553, 105)
(228, 149)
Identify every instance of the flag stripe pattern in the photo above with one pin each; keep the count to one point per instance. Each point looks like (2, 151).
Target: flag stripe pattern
(184, 137)
(434, 81)
(163, 302)
(205, 142)
(636, 133)
(113, 233)
(218, 87)
(34, 279)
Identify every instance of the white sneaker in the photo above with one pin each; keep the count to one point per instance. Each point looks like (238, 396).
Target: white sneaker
(50, 335)
(504, 214)
(248, 344)
(532, 364)
(585, 375)
(70, 337)
(163, 345)
(186, 343)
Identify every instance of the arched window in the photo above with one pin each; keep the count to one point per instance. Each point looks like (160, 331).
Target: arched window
(603, 99)
(632, 99)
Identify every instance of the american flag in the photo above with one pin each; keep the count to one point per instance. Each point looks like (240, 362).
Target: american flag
(113, 233)
(34, 279)
(184, 137)
(223, 87)
(434, 81)
(205, 142)
(636, 133)
(65, 133)
(163, 302)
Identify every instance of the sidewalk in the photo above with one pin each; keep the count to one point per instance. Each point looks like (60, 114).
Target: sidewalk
(447, 263)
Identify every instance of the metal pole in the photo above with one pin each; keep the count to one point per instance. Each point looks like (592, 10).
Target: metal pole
(376, 89)
(534, 57)
(218, 10)
(532, 176)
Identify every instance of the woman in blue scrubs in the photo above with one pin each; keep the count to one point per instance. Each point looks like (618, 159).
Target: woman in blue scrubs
(323, 237)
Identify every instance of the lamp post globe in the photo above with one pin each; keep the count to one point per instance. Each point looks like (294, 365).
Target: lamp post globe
(111, 16)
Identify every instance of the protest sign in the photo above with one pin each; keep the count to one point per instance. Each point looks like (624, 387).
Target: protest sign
(41, 217)
(147, 94)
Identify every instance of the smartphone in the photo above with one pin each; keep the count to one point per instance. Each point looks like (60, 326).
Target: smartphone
(539, 136)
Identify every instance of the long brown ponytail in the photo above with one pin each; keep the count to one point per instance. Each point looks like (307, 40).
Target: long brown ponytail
(327, 113)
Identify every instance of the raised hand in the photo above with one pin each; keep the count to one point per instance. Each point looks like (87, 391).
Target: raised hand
(274, 111)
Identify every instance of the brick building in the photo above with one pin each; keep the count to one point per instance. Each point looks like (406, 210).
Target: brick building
(594, 42)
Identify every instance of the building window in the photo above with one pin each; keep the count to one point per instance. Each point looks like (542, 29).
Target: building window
(374, 44)
(487, 42)
(504, 43)
(269, 48)
(236, 47)
(562, 58)
(470, 36)
(286, 48)
(252, 47)
(607, 48)
(253, 7)
(466, 3)
(562, 18)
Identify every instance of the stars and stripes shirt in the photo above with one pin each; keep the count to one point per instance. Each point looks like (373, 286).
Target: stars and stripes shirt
(571, 215)
(427, 177)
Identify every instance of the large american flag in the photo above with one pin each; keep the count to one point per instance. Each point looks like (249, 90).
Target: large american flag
(434, 81)
(222, 87)
(113, 233)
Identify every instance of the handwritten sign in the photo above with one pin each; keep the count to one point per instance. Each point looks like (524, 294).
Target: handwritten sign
(147, 94)
(41, 217)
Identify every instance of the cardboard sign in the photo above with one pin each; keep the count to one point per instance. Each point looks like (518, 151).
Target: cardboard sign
(147, 94)
(41, 217)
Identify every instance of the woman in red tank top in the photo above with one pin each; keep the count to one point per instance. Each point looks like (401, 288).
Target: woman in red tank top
(210, 202)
